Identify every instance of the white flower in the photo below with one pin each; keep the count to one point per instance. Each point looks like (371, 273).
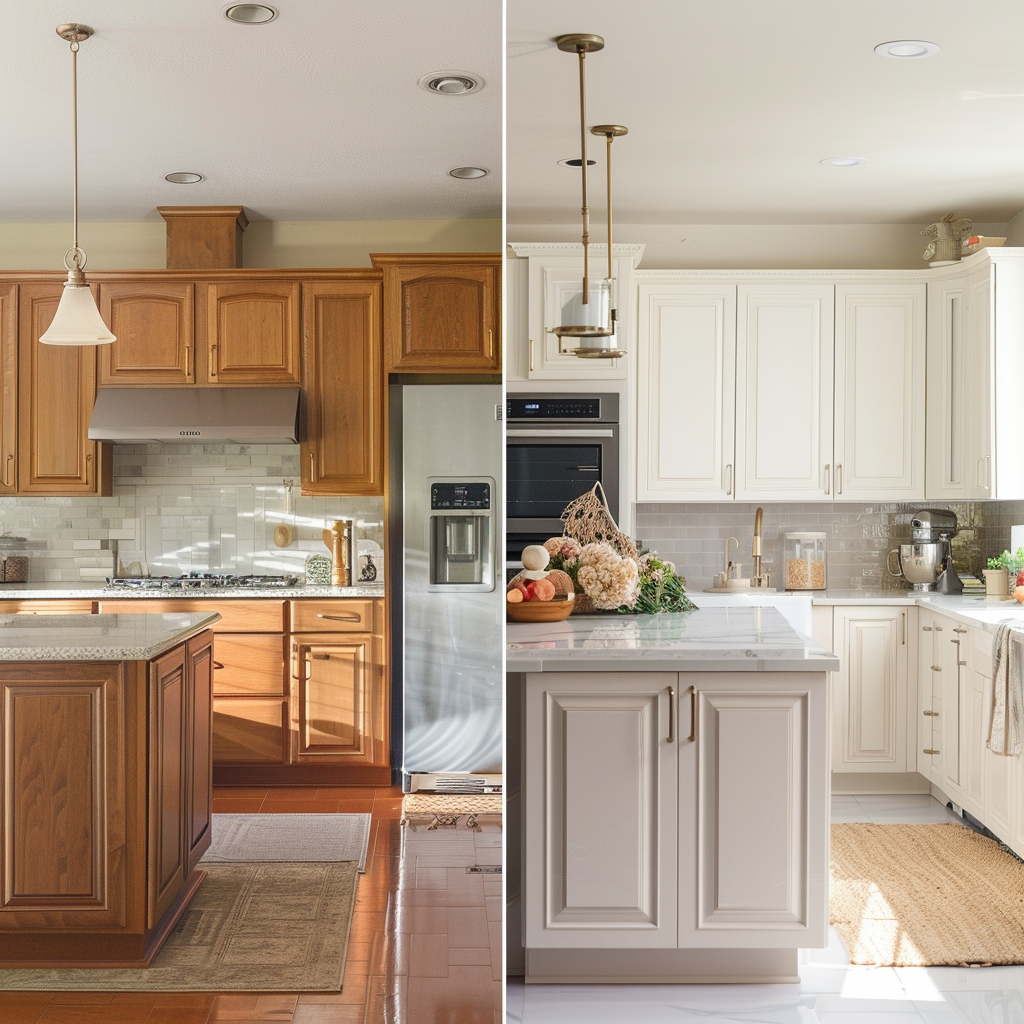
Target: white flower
(608, 579)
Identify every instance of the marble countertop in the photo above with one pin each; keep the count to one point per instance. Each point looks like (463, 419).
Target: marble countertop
(91, 592)
(127, 637)
(721, 639)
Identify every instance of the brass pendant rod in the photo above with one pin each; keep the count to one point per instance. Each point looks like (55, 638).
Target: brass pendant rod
(608, 160)
(581, 50)
(74, 142)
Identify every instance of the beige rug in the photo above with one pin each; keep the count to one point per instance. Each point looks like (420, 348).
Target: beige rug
(251, 927)
(447, 810)
(926, 895)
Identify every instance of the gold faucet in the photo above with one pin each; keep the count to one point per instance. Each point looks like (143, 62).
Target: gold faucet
(756, 578)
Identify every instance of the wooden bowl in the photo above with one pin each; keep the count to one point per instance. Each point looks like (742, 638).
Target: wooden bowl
(555, 610)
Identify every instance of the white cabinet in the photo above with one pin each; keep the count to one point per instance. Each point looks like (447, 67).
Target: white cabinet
(651, 827)
(933, 631)
(869, 724)
(686, 356)
(880, 392)
(784, 382)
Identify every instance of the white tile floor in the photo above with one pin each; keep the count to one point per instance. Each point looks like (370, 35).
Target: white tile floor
(831, 991)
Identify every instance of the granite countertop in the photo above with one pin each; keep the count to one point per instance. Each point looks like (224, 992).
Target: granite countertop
(721, 639)
(92, 592)
(126, 637)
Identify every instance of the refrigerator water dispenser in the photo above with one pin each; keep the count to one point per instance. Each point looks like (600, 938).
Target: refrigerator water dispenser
(461, 533)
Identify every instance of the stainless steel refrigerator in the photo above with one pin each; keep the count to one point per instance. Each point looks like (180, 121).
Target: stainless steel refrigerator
(448, 603)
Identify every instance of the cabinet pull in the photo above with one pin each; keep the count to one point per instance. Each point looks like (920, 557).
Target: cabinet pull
(959, 629)
(88, 470)
(839, 478)
(936, 668)
(7, 471)
(928, 750)
(218, 664)
(213, 361)
(926, 629)
(320, 657)
(531, 355)
(312, 467)
(671, 714)
(938, 629)
(728, 486)
(903, 629)
(188, 353)
(490, 339)
(930, 714)
(340, 618)
(693, 714)
(828, 476)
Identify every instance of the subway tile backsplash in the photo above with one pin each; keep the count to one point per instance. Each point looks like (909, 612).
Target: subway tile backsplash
(858, 536)
(183, 508)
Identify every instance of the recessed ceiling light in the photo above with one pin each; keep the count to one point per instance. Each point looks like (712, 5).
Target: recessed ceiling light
(250, 14)
(468, 172)
(844, 161)
(907, 48)
(575, 161)
(451, 83)
(183, 177)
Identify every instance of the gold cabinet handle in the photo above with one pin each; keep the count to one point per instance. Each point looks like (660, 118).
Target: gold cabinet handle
(930, 714)
(728, 486)
(340, 618)
(213, 361)
(959, 629)
(312, 467)
(490, 339)
(839, 478)
(531, 355)
(828, 476)
(671, 714)
(320, 657)
(693, 714)
(938, 629)
(926, 629)
(928, 750)
(88, 470)
(7, 471)
(936, 668)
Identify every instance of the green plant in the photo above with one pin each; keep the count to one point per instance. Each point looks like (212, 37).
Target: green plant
(1011, 563)
(661, 588)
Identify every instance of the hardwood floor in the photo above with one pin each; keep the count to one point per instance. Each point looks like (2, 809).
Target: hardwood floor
(425, 943)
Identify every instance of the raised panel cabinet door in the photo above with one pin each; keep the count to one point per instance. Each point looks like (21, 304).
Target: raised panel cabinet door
(784, 375)
(443, 318)
(879, 446)
(67, 762)
(754, 811)
(250, 730)
(981, 474)
(168, 783)
(9, 389)
(253, 332)
(954, 711)
(56, 393)
(199, 742)
(154, 324)
(336, 708)
(343, 445)
(600, 765)
(870, 690)
(931, 634)
(686, 360)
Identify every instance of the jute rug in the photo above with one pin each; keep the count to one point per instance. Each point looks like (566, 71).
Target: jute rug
(251, 927)
(288, 837)
(447, 809)
(926, 895)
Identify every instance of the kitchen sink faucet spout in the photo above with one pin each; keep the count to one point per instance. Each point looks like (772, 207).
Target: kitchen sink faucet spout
(756, 578)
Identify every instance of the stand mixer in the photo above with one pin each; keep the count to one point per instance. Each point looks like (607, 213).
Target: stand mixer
(927, 562)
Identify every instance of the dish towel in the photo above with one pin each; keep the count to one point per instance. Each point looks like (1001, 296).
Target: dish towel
(1004, 731)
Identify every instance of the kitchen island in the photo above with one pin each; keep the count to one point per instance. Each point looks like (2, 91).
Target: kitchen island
(106, 776)
(674, 795)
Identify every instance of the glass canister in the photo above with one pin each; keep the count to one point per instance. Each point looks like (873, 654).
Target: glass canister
(804, 557)
(13, 559)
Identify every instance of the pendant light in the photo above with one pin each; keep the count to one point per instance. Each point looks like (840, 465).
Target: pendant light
(77, 320)
(591, 315)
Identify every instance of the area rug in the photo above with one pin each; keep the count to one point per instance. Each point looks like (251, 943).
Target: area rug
(447, 809)
(926, 896)
(294, 838)
(251, 927)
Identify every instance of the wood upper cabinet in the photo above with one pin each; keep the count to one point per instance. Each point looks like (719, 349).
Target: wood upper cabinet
(253, 332)
(56, 392)
(343, 445)
(442, 312)
(9, 389)
(155, 328)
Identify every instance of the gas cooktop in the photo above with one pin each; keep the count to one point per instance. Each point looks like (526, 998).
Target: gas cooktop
(200, 581)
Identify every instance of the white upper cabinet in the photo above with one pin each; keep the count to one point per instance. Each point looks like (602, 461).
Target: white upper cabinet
(784, 370)
(686, 410)
(880, 387)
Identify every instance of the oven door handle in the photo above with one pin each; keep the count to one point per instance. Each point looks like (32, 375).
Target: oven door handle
(511, 431)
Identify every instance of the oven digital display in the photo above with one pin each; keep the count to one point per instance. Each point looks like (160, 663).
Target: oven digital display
(553, 408)
(468, 495)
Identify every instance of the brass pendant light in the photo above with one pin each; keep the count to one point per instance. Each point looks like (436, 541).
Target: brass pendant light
(77, 320)
(591, 316)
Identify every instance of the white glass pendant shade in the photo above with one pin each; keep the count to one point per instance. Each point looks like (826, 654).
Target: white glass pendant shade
(77, 320)
(588, 319)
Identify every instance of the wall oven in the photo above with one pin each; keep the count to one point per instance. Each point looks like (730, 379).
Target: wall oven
(556, 447)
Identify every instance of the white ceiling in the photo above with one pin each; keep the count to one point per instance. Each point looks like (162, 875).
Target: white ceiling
(731, 104)
(316, 116)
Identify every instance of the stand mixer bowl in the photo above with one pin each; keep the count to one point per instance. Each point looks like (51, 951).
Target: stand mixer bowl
(919, 564)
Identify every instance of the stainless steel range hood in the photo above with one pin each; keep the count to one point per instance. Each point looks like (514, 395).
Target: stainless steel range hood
(194, 415)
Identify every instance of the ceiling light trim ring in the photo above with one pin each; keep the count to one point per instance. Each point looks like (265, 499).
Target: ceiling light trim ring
(471, 83)
(253, 9)
(913, 49)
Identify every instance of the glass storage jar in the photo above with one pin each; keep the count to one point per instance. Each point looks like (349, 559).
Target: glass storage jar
(804, 558)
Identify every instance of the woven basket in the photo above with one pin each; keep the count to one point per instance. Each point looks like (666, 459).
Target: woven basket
(588, 520)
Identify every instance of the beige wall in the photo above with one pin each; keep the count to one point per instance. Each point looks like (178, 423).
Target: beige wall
(141, 245)
(760, 246)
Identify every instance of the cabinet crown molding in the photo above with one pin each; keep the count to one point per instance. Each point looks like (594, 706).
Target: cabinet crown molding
(635, 251)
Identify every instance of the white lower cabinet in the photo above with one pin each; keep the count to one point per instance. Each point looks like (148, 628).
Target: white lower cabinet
(869, 715)
(676, 811)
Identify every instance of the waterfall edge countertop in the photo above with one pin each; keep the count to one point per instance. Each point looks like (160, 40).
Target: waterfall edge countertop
(91, 592)
(744, 639)
(126, 637)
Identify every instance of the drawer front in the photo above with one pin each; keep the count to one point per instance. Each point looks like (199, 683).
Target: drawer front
(46, 607)
(236, 616)
(250, 731)
(344, 615)
(249, 663)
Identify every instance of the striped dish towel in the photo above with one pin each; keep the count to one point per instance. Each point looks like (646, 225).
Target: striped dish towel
(1004, 730)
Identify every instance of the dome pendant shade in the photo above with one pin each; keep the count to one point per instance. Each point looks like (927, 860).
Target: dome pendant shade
(77, 320)
(591, 319)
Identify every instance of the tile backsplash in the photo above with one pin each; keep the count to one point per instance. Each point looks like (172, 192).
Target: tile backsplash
(179, 508)
(858, 536)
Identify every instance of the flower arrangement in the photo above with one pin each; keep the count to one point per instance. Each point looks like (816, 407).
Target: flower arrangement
(661, 588)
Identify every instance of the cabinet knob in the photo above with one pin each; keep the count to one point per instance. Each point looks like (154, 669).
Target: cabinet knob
(926, 629)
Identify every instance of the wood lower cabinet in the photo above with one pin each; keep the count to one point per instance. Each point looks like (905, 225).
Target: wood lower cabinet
(106, 794)
(442, 312)
(249, 731)
(343, 444)
(9, 389)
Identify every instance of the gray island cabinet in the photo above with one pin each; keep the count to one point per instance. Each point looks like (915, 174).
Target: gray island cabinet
(673, 796)
(106, 782)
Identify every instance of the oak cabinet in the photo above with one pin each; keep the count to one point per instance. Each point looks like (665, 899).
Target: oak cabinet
(9, 389)
(343, 444)
(250, 731)
(56, 393)
(442, 312)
